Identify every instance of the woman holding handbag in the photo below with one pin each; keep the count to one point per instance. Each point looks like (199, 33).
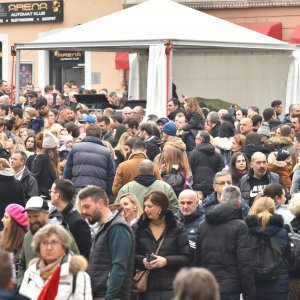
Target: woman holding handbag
(162, 247)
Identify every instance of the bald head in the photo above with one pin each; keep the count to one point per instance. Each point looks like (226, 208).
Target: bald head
(188, 202)
(146, 167)
(259, 164)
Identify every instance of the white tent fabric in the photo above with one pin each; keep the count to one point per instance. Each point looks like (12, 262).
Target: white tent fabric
(157, 75)
(293, 82)
(153, 21)
(138, 76)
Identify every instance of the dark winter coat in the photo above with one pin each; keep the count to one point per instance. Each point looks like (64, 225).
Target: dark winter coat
(43, 171)
(191, 224)
(223, 247)
(279, 288)
(250, 149)
(205, 162)
(245, 184)
(36, 124)
(172, 115)
(10, 190)
(175, 248)
(194, 121)
(153, 143)
(71, 219)
(90, 163)
(29, 184)
(212, 200)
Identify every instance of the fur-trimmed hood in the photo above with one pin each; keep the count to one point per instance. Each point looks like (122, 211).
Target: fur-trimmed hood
(273, 161)
(281, 141)
(70, 264)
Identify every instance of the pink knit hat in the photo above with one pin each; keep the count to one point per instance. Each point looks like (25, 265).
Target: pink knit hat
(16, 212)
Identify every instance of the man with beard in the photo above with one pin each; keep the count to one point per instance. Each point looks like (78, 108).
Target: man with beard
(112, 253)
(38, 215)
(253, 183)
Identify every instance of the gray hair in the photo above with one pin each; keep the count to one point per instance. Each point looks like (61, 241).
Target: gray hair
(63, 235)
(203, 136)
(222, 173)
(213, 117)
(231, 195)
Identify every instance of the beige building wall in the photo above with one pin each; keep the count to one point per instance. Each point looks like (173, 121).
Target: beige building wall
(75, 12)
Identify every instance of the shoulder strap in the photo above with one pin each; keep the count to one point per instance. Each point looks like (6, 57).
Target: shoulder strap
(291, 228)
(274, 244)
(74, 284)
(159, 245)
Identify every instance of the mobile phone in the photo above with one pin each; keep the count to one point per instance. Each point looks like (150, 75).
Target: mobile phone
(150, 257)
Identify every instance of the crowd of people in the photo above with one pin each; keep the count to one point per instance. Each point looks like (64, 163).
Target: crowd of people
(90, 197)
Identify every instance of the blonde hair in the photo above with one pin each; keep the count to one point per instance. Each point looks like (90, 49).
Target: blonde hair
(123, 138)
(263, 208)
(3, 139)
(133, 199)
(4, 164)
(109, 146)
(31, 111)
(294, 204)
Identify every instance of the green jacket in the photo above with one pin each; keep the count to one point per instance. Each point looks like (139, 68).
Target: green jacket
(140, 191)
(27, 254)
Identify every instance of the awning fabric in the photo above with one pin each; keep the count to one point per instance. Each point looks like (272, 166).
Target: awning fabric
(295, 39)
(270, 29)
(122, 61)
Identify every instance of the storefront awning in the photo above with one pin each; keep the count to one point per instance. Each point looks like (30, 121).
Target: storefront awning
(295, 39)
(270, 29)
(122, 61)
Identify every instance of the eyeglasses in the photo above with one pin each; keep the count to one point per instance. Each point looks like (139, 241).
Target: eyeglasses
(224, 182)
(52, 243)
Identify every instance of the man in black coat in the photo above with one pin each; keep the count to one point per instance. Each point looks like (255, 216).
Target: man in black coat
(205, 162)
(28, 181)
(223, 247)
(62, 193)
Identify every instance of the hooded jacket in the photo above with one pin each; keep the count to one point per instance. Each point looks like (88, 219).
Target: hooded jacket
(279, 288)
(281, 142)
(10, 190)
(143, 184)
(127, 171)
(283, 169)
(223, 247)
(72, 266)
(205, 162)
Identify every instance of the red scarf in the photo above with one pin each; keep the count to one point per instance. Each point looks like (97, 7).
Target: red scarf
(50, 290)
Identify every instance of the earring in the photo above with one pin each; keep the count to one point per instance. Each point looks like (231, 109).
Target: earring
(135, 209)
(159, 212)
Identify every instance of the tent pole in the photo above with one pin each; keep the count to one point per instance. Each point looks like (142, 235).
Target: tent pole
(17, 77)
(169, 53)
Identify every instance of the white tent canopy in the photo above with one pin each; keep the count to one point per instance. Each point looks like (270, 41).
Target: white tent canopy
(153, 23)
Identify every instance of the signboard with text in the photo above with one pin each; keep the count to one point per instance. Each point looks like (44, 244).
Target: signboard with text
(31, 12)
(58, 56)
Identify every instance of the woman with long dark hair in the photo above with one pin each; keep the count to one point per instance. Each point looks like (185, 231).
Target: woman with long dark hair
(239, 166)
(158, 224)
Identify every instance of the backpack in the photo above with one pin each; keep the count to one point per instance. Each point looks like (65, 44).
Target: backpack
(294, 260)
(267, 257)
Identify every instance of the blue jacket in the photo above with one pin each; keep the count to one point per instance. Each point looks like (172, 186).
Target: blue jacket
(90, 163)
(211, 200)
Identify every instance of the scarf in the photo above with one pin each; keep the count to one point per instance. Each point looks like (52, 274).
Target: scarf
(47, 270)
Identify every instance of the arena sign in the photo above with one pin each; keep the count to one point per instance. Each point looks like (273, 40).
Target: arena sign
(31, 12)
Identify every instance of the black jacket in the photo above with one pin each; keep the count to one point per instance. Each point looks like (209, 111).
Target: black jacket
(43, 171)
(279, 288)
(172, 115)
(223, 247)
(175, 248)
(194, 121)
(205, 162)
(10, 190)
(29, 184)
(250, 149)
(71, 219)
(153, 143)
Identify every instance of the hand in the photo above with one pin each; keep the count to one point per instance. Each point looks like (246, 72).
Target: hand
(159, 262)
(147, 265)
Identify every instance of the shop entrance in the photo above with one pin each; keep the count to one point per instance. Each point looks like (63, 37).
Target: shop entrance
(66, 66)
